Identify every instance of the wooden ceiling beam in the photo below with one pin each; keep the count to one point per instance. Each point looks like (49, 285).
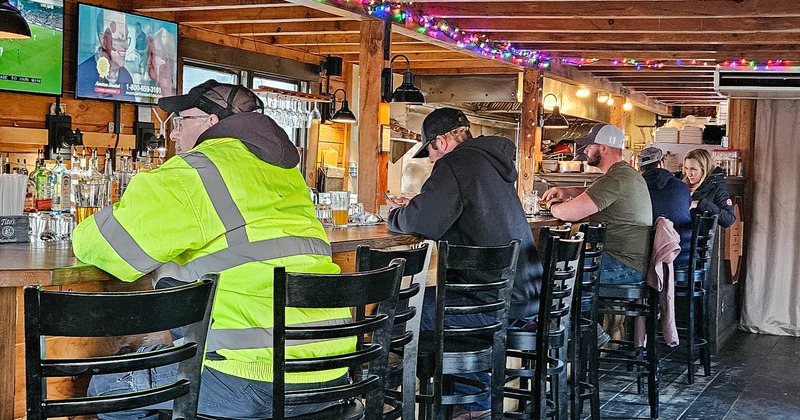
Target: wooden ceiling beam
(623, 39)
(696, 49)
(638, 25)
(288, 28)
(246, 44)
(675, 9)
(340, 49)
(247, 15)
(148, 6)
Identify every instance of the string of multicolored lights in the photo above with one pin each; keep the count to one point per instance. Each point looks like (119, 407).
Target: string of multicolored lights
(479, 43)
(442, 30)
(657, 64)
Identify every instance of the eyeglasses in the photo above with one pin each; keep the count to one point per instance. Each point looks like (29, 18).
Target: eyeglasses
(178, 121)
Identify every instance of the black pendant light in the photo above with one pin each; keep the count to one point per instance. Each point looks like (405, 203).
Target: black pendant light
(12, 24)
(555, 120)
(343, 115)
(406, 92)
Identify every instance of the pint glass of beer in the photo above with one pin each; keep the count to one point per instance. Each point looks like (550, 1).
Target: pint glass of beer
(340, 204)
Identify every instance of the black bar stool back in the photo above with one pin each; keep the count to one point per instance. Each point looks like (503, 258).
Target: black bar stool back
(79, 314)
(402, 365)
(319, 291)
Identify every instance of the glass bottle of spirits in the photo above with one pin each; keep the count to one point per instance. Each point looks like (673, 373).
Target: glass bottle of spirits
(112, 182)
(44, 188)
(7, 165)
(61, 187)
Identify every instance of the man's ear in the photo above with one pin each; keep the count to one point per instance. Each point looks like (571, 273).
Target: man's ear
(213, 119)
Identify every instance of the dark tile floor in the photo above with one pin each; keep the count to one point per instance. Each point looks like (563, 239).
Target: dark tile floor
(753, 377)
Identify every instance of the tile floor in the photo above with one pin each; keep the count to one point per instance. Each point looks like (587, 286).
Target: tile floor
(753, 377)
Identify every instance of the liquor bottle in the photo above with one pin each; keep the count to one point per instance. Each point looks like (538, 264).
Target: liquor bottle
(112, 182)
(22, 169)
(44, 189)
(7, 166)
(61, 187)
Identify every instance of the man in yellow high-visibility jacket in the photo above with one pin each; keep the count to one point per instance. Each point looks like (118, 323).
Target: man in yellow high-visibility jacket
(231, 201)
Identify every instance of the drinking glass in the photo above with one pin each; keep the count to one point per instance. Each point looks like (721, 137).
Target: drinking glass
(340, 205)
(89, 198)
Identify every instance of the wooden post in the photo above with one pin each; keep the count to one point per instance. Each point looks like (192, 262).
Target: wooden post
(530, 136)
(8, 336)
(370, 63)
(617, 114)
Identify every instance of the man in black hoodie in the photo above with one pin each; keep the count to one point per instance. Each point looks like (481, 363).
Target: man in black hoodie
(470, 199)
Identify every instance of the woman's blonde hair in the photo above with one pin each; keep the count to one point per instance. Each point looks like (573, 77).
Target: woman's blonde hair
(703, 158)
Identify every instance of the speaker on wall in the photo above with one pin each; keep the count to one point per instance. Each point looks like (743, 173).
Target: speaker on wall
(332, 66)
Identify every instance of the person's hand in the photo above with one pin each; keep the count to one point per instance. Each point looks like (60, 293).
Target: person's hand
(397, 202)
(554, 195)
(694, 204)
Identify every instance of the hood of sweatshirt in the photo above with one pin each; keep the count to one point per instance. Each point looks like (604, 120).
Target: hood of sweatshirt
(499, 151)
(657, 178)
(260, 134)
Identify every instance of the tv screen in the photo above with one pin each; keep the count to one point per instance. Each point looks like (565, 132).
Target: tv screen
(125, 57)
(34, 65)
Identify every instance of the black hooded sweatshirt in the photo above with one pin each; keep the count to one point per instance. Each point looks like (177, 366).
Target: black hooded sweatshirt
(712, 196)
(470, 199)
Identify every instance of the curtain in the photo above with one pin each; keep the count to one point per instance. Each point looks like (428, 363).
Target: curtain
(772, 284)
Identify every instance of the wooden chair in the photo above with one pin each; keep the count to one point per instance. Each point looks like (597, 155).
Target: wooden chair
(354, 290)
(543, 352)
(631, 301)
(584, 376)
(691, 286)
(450, 351)
(75, 314)
(402, 365)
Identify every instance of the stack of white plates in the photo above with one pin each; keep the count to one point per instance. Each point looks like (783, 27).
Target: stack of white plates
(666, 135)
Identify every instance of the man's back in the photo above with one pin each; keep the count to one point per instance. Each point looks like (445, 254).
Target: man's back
(623, 201)
(470, 199)
(670, 198)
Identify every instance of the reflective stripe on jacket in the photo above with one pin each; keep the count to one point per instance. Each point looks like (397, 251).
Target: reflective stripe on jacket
(219, 208)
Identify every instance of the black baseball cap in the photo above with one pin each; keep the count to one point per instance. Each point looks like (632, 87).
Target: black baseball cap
(439, 122)
(213, 97)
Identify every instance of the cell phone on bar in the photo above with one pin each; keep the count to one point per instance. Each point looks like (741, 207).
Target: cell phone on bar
(388, 198)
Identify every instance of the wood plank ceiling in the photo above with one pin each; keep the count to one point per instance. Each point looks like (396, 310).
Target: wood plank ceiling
(677, 44)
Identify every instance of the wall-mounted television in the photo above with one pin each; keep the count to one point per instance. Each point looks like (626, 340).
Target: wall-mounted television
(34, 65)
(125, 57)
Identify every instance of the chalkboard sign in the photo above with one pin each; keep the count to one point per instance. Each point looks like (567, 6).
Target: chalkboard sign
(13, 229)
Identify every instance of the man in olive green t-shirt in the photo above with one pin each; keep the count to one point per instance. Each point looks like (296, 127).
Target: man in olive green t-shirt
(619, 198)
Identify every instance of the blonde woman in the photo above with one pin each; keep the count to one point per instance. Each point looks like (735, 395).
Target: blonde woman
(708, 187)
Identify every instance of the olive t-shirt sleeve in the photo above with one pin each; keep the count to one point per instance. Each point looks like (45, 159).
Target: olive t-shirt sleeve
(605, 191)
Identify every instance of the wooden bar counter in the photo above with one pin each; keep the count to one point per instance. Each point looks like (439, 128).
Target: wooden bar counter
(54, 265)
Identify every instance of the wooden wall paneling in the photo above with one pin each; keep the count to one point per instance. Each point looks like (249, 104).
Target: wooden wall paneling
(8, 311)
(370, 64)
(530, 134)
(741, 132)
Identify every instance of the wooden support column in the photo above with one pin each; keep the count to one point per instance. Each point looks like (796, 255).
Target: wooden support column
(742, 135)
(617, 114)
(530, 134)
(370, 64)
(8, 334)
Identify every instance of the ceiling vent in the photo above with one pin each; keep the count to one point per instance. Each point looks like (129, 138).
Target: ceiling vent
(758, 84)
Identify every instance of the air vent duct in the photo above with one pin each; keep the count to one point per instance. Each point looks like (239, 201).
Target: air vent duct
(766, 84)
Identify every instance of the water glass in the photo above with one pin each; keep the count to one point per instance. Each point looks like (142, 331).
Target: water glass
(340, 206)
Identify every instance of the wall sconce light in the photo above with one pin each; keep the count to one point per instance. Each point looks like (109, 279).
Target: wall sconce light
(583, 92)
(406, 92)
(610, 100)
(555, 120)
(602, 97)
(343, 115)
(12, 24)
(627, 106)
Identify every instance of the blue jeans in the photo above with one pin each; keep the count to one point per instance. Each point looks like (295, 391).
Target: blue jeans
(221, 394)
(614, 272)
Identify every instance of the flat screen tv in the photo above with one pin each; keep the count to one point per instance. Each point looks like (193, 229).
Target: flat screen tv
(34, 65)
(125, 57)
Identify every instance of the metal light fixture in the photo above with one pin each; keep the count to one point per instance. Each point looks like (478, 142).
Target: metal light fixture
(343, 115)
(583, 92)
(610, 100)
(12, 24)
(555, 120)
(602, 97)
(406, 92)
